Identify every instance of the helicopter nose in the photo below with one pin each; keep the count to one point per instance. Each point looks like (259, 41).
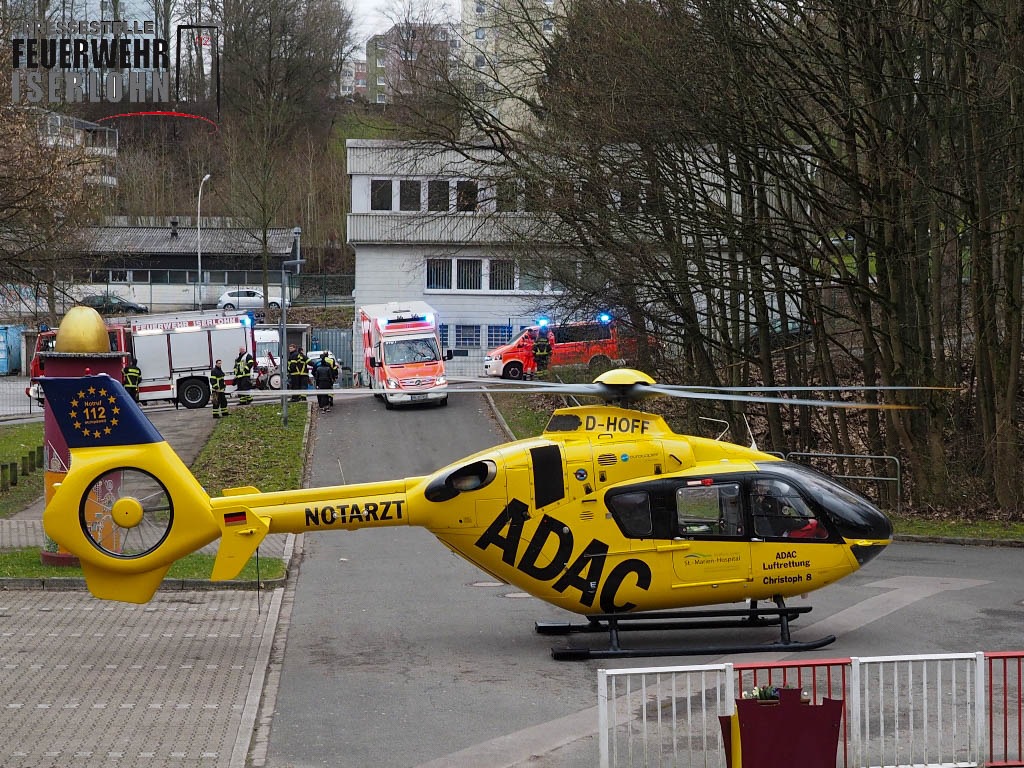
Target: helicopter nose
(865, 553)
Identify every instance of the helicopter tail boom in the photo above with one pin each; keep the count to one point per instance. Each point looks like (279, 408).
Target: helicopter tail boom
(129, 507)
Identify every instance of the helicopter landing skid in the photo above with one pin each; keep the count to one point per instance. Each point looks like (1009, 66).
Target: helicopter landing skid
(614, 623)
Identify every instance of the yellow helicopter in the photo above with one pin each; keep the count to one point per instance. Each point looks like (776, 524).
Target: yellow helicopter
(607, 514)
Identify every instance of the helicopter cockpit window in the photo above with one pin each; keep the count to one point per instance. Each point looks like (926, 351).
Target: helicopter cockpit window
(780, 512)
(632, 511)
(709, 510)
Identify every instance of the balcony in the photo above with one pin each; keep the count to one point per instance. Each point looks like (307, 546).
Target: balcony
(426, 229)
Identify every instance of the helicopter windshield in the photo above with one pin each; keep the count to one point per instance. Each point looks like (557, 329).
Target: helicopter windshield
(405, 351)
(851, 514)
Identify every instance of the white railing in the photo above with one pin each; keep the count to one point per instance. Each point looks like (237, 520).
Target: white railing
(663, 716)
(918, 710)
(929, 711)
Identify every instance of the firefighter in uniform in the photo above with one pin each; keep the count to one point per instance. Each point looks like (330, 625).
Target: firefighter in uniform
(132, 376)
(243, 376)
(298, 373)
(541, 351)
(217, 386)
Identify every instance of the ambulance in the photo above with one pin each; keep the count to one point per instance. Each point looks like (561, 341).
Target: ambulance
(401, 350)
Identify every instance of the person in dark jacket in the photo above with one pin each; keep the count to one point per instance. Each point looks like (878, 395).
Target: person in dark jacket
(244, 365)
(132, 376)
(218, 388)
(323, 376)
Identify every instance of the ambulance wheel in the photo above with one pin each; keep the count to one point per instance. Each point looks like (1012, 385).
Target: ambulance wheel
(443, 402)
(387, 403)
(194, 393)
(512, 371)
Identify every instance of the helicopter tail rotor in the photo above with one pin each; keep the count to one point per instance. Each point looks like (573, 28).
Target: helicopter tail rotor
(128, 506)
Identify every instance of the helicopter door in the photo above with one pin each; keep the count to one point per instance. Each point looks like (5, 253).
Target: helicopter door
(712, 546)
(792, 543)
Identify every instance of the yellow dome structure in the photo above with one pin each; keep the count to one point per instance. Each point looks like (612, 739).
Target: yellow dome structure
(82, 330)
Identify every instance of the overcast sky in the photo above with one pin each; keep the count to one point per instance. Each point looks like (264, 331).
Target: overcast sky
(370, 18)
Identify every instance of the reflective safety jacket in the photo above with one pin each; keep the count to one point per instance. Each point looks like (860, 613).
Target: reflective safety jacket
(132, 376)
(217, 379)
(541, 347)
(297, 364)
(244, 365)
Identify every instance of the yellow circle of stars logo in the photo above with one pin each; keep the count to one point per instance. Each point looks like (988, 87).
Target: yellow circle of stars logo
(94, 412)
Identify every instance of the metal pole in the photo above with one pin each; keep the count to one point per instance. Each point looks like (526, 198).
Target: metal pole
(297, 262)
(282, 349)
(199, 244)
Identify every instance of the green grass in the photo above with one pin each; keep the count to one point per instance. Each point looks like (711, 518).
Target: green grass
(253, 448)
(15, 441)
(957, 528)
(25, 564)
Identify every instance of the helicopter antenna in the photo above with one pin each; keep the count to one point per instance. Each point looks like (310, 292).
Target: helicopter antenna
(721, 434)
(750, 432)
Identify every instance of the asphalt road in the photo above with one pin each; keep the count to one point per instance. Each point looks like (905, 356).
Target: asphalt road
(399, 654)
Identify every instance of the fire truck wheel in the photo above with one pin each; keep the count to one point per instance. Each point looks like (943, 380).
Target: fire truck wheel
(194, 393)
(512, 371)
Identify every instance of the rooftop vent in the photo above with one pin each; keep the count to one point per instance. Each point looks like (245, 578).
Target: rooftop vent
(174, 227)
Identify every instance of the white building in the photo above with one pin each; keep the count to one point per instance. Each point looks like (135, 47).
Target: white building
(425, 226)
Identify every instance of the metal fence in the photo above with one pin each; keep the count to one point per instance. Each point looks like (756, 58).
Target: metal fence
(926, 710)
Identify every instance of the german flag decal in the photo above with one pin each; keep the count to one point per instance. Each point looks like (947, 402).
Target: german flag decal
(234, 518)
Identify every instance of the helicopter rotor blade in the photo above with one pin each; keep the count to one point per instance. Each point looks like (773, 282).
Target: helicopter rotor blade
(645, 391)
(810, 388)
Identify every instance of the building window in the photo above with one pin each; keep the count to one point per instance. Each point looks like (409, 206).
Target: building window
(548, 25)
(481, 33)
(480, 10)
(467, 194)
(437, 196)
(442, 331)
(497, 335)
(469, 273)
(380, 194)
(140, 276)
(382, 81)
(481, 61)
(530, 282)
(439, 274)
(409, 195)
(467, 336)
(380, 62)
(502, 275)
(505, 197)
(382, 98)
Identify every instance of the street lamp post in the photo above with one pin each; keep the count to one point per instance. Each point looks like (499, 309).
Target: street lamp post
(282, 334)
(199, 244)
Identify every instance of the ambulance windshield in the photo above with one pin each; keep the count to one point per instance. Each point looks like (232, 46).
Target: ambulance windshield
(405, 351)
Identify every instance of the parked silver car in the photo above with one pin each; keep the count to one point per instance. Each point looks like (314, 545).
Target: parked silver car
(247, 298)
